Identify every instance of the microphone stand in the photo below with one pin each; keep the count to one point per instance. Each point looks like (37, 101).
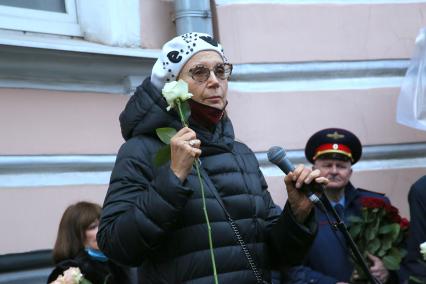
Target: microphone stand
(344, 230)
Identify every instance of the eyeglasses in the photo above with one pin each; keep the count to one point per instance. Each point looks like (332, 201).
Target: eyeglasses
(201, 73)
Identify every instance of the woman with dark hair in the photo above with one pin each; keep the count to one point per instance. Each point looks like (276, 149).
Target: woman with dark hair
(76, 246)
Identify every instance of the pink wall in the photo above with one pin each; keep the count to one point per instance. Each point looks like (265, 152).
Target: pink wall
(289, 119)
(30, 216)
(157, 26)
(53, 122)
(308, 32)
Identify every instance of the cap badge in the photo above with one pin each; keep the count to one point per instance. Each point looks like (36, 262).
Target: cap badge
(335, 135)
(335, 146)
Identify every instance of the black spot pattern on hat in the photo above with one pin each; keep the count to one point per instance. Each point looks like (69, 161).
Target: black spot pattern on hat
(210, 40)
(174, 56)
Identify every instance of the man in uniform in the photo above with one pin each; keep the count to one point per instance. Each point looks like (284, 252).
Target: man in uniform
(333, 151)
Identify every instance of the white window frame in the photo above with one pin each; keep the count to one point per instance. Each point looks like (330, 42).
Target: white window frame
(109, 35)
(31, 20)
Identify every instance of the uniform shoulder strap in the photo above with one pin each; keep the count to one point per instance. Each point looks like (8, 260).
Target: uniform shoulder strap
(370, 191)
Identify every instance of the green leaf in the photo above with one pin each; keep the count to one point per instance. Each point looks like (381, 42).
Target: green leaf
(371, 216)
(390, 262)
(400, 238)
(165, 134)
(381, 253)
(373, 246)
(354, 219)
(386, 244)
(389, 229)
(85, 281)
(162, 156)
(403, 252)
(371, 232)
(364, 214)
(413, 279)
(186, 110)
(377, 223)
(395, 232)
(355, 230)
(395, 252)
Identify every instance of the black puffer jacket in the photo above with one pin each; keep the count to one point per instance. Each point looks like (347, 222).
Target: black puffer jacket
(97, 272)
(152, 219)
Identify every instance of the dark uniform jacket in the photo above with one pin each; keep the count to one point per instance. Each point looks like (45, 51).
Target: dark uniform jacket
(150, 218)
(412, 265)
(328, 260)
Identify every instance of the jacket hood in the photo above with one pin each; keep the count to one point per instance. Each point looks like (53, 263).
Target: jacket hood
(146, 111)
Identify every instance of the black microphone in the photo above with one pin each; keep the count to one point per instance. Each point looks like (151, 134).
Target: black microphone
(278, 156)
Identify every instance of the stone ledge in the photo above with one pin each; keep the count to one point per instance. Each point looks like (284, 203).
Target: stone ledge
(39, 171)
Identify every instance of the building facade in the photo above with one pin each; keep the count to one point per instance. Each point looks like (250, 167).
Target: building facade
(67, 69)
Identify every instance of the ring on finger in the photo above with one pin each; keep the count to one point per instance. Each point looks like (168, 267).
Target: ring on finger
(191, 143)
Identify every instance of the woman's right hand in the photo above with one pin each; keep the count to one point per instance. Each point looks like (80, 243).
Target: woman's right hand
(185, 148)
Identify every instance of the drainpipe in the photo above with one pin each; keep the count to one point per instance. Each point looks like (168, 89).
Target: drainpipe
(193, 16)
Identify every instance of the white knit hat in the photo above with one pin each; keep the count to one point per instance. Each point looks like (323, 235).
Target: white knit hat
(176, 52)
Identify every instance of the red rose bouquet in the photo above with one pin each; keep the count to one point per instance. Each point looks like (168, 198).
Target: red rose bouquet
(380, 231)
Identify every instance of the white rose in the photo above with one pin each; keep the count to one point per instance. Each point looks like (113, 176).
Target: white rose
(175, 90)
(73, 275)
(423, 250)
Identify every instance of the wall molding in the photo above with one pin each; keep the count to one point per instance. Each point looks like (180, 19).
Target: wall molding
(65, 64)
(63, 170)
(55, 63)
(377, 157)
(302, 2)
(318, 76)
(319, 70)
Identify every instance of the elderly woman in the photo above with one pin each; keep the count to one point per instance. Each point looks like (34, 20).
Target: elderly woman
(153, 215)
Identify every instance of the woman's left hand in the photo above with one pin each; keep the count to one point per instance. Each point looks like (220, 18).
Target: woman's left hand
(294, 181)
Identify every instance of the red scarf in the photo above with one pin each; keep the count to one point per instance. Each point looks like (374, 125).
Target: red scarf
(206, 115)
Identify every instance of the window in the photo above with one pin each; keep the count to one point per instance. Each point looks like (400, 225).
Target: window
(44, 16)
